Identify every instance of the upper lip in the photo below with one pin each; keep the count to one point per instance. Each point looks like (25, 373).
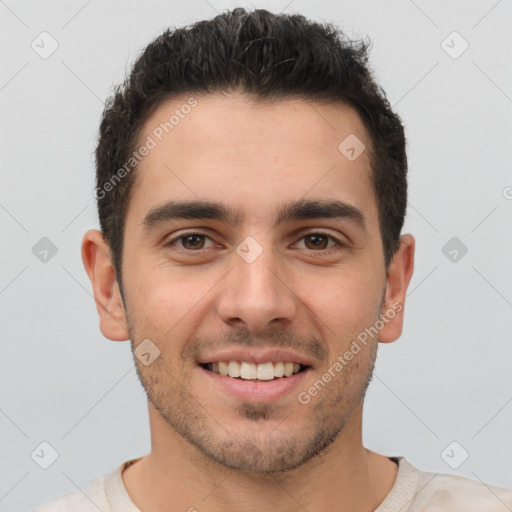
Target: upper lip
(256, 356)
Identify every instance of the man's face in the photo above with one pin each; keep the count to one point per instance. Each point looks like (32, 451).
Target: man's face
(246, 290)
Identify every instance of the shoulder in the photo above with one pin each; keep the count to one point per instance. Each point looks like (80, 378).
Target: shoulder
(440, 492)
(425, 491)
(91, 499)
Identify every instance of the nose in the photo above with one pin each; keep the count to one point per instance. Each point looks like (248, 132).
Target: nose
(257, 293)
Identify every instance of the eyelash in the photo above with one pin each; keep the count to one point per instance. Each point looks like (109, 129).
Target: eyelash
(338, 245)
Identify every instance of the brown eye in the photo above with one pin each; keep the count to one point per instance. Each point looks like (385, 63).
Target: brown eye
(318, 241)
(192, 241)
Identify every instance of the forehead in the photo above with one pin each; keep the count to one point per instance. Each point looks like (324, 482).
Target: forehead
(225, 148)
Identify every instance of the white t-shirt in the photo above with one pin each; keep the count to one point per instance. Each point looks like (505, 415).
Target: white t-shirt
(413, 491)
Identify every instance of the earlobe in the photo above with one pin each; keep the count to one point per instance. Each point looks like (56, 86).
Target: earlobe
(99, 268)
(399, 276)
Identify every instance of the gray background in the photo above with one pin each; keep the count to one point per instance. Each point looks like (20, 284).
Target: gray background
(447, 379)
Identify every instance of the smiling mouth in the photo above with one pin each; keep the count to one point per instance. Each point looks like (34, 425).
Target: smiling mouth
(242, 370)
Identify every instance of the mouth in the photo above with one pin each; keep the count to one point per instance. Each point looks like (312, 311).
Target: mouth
(262, 372)
(255, 374)
(254, 382)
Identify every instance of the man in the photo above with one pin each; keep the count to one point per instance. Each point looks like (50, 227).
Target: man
(251, 188)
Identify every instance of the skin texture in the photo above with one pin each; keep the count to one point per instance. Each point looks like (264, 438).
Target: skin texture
(211, 450)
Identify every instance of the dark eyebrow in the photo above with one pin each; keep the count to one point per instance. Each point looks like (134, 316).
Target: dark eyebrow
(294, 210)
(173, 210)
(329, 209)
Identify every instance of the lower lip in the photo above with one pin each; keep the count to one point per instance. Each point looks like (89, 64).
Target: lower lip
(255, 391)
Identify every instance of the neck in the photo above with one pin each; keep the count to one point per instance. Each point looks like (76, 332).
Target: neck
(346, 477)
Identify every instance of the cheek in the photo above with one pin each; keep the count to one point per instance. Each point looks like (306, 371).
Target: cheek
(167, 306)
(154, 305)
(345, 304)
(159, 290)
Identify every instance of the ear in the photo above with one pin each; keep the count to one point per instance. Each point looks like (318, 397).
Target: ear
(99, 268)
(397, 281)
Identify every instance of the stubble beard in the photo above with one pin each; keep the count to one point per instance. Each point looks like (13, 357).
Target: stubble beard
(279, 451)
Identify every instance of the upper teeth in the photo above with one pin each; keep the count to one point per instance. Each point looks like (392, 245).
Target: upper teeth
(263, 371)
